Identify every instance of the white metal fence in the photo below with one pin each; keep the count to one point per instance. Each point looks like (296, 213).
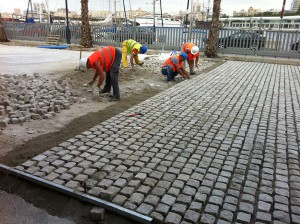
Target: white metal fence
(245, 42)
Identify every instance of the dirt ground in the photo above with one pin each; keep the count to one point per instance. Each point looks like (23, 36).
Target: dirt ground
(27, 203)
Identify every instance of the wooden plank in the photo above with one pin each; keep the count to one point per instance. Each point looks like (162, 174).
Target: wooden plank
(53, 39)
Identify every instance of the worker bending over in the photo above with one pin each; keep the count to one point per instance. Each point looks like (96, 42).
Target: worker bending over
(132, 48)
(193, 53)
(173, 66)
(106, 59)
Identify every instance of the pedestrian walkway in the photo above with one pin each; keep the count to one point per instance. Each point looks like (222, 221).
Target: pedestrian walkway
(222, 147)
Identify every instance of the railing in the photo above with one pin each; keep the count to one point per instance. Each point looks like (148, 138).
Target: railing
(267, 43)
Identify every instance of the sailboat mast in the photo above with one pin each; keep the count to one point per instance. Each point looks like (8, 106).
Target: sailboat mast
(115, 14)
(154, 15)
(191, 21)
(48, 8)
(31, 8)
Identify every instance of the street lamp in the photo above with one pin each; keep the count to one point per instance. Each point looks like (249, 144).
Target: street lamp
(68, 33)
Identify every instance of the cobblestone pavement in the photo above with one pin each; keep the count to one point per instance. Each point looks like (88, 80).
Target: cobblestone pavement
(220, 148)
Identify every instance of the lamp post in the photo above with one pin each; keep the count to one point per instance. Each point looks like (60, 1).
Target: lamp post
(68, 33)
(191, 21)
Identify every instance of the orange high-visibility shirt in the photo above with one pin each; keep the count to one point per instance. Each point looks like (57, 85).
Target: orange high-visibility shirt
(188, 46)
(106, 55)
(170, 62)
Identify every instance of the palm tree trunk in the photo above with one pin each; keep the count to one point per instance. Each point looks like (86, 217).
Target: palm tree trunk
(86, 37)
(212, 47)
(3, 37)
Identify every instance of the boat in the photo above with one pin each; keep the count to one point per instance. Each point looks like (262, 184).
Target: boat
(159, 22)
(288, 23)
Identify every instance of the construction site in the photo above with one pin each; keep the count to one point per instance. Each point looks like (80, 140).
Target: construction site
(217, 144)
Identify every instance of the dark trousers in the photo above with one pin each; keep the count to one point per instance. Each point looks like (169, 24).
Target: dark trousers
(112, 76)
(168, 71)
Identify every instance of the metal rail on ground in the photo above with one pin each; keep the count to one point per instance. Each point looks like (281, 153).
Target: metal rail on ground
(75, 194)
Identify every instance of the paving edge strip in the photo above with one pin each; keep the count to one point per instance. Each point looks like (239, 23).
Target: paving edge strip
(75, 194)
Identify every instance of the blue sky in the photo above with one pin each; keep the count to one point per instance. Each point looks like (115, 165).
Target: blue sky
(227, 6)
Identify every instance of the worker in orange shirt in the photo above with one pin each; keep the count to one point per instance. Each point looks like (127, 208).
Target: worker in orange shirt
(173, 66)
(106, 59)
(193, 53)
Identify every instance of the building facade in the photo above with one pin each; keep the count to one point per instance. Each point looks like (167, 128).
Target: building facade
(295, 5)
(199, 15)
(250, 12)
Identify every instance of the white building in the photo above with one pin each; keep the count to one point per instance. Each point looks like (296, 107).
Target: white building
(198, 14)
(295, 5)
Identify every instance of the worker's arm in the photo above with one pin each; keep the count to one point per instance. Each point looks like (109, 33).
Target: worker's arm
(133, 55)
(182, 72)
(95, 76)
(99, 72)
(196, 63)
(187, 76)
(131, 60)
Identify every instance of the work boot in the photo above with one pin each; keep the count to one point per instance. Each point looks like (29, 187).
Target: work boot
(104, 91)
(192, 73)
(113, 98)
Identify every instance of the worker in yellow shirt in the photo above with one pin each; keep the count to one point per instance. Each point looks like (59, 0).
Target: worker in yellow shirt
(132, 48)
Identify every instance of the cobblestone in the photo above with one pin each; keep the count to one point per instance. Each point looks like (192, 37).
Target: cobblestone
(172, 218)
(207, 219)
(219, 148)
(152, 200)
(162, 209)
(192, 216)
(243, 217)
(179, 209)
(119, 200)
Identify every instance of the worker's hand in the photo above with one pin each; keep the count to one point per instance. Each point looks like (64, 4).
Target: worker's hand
(90, 83)
(123, 69)
(187, 77)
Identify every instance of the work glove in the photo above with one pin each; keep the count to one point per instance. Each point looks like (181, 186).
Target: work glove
(141, 64)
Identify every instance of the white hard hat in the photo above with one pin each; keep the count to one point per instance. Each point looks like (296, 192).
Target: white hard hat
(82, 63)
(195, 50)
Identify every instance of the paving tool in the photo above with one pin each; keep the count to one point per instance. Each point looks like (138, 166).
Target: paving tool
(134, 114)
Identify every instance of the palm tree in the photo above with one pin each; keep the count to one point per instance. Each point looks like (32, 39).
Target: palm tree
(212, 47)
(86, 37)
(3, 37)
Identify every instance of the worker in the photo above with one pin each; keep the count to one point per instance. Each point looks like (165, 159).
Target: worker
(173, 66)
(106, 59)
(193, 53)
(133, 48)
